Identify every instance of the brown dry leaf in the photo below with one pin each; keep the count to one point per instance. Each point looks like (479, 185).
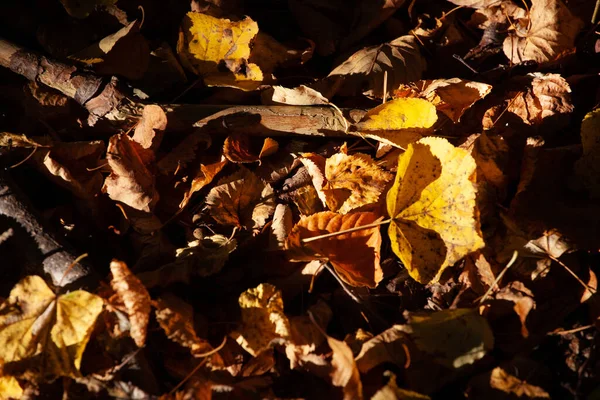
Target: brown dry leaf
(363, 72)
(238, 148)
(307, 337)
(269, 54)
(391, 391)
(449, 96)
(353, 181)
(501, 13)
(185, 153)
(345, 374)
(387, 347)
(263, 319)
(241, 200)
(8, 139)
(491, 154)
(135, 298)
(130, 181)
(540, 96)
(125, 52)
(477, 274)
(510, 384)
(355, 256)
(150, 129)
(315, 166)
(587, 167)
(298, 96)
(550, 30)
(281, 227)
(82, 8)
(517, 293)
(476, 3)
(204, 176)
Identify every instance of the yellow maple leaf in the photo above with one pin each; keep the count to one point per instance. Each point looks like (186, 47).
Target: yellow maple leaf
(218, 50)
(43, 332)
(432, 206)
(399, 122)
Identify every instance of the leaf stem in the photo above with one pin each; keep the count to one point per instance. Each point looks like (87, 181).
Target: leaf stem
(355, 229)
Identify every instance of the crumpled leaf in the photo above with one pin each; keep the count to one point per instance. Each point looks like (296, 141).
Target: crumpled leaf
(399, 122)
(315, 167)
(135, 298)
(208, 46)
(263, 319)
(298, 96)
(204, 176)
(587, 167)
(391, 391)
(364, 71)
(355, 256)
(8, 139)
(130, 181)
(387, 347)
(151, 127)
(435, 221)
(477, 4)
(281, 227)
(45, 333)
(239, 148)
(242, 200)
(449, 96)
(307, 337)
(549, 30)
(344, 373)
(353, 181)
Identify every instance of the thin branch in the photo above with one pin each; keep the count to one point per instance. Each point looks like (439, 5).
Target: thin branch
(355, 229)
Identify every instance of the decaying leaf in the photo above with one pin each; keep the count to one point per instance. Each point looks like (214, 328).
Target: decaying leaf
(399, 122)
(135, 298)
(150, 129)
(391, 391)
(238, 148)
(450, 96)
(549, 30)
(45, 333)
(353, 181)
(242, 200)
(204, 176)
(355, 256)
(263, 319)
(364, 71)
(208, 46)
(588, 166)
(432, 206)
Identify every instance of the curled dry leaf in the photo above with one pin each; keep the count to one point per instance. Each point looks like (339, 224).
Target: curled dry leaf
(364, 71)
(355, 256)
(242, 200)
(282, 226)
(399, 122)
(391, 391)
(204, 176)
(477, 4)
(239, 148)
(387, 347)
(150, 129)
(263, 319)
(449, 96)
(208, 46)
(298, 96)
(549, 30)
(130, 181)
(45, 333)
(135, 298)
(344, 373)
(306, 336)
(587, 167)
(435, 221)
(353, 181)
(315, 166)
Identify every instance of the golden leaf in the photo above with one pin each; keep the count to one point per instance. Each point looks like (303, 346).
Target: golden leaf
(263, 319)
(353, 181)
(344, 373)
(135, 297)
(207, 43)
(204, 176)
(355, 255)
(10, 388)
(399, 122)
(432, 206)
(45, 333)
(239, 148)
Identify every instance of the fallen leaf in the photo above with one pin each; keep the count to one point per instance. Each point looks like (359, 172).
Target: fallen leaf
(204, 176)
(477, 4)
(587, 167)
(355, 256)
(207, 45)
(238, 148)
(241, 200)
(269, 54)
(432, 206)
(510, 384)
(82, 8)
(387, 347)
(391, 391)
(345, 374)
(449, 96)
(8, 139)
(10, 388)
(130, 181)
(151, 127)
(135, 298)
(45, 333)
(263, 319)
(523, 301)
(399, 122)
(353, 181)
(315, 166)
(549, 30)
(364, 71)
(185, 153)
(298, 96)
(282, 226)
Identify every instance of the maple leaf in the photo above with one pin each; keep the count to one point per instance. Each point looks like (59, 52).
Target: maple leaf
(432, 206)
(43, 332)
(135, 298)
(400, 58)
(587, 167)
(549, 30)
(399, 122)
(242, 200)
(355, 256)
(263, 319)
(206, 43)
(353, 181)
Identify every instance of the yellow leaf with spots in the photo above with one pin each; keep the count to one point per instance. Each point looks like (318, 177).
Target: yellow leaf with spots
(263, 320)
(218, 50)
(43, 333)
(400, 121)
(353, 181)
(435, 221)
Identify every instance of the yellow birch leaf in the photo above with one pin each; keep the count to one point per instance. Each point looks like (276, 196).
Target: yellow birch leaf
(45, 333)
(218, 50)
(432, 205)
(399, 122)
